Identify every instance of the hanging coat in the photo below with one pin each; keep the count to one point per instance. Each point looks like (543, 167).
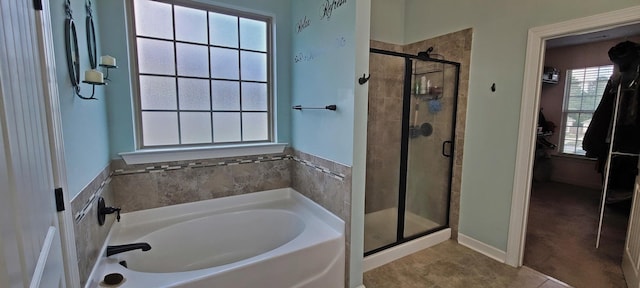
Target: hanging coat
(597, 138)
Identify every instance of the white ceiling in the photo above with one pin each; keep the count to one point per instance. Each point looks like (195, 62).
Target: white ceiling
(618, 32)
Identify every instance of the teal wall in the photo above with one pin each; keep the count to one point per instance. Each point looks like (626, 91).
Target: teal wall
(113, 27)
(115, 38)
(84, 122)
(498, 53)
(323, 74)
(387, 21)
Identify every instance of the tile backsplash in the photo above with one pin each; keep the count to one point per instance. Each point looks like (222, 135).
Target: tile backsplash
(145, 186)
(139, 187)
(90, 236)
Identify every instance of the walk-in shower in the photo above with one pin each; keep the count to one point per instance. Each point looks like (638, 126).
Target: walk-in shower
(411, 133)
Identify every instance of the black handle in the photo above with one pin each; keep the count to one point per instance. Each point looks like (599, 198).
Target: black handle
(444, 144)
(111, 210)
(103, 210)
(331, 107)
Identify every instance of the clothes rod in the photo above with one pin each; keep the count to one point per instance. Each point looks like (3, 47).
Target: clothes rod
(328, 107)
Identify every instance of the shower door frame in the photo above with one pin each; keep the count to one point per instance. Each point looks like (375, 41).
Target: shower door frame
(404, 149)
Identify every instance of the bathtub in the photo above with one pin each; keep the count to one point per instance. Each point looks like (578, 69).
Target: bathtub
(275, 238)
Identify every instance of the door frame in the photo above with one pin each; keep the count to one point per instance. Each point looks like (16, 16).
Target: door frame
(54, 125)
(532, 83)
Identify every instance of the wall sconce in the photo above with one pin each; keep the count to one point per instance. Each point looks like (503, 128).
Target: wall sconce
(92, 76)
(107, 62)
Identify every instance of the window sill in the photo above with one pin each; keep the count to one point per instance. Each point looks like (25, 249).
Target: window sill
(146, 156)
(571, 156)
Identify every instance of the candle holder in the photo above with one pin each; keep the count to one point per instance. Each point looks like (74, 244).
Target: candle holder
(93, 77)
(107, 67)
(95, 83)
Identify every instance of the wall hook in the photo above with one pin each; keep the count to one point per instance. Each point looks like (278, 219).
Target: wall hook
(364, 79)
(493, 87)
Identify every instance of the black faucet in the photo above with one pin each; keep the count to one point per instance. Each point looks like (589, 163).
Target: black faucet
(116, 249)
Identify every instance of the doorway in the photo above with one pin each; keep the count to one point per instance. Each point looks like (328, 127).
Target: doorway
(530, 106)
(566, 188)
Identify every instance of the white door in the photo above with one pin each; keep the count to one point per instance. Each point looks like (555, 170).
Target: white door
(631, 257)
(30, 248)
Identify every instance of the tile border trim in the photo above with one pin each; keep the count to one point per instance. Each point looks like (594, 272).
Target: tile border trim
(238, 161)
(87, 205)
(336, 175)
(199, 164)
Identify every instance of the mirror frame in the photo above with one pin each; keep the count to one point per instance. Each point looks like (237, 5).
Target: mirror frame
(91, 42)
(73, 56)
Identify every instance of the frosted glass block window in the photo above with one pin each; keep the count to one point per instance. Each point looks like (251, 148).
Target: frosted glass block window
(153, 19)
(195, 127)
(155, 57)
(258, 128)
(224, 30)
(584, 89)
(158, 93)
(254, 66)
(203, 74)
(160, 128)
(194, 94)
(190, 62)
(225, 95)
(224, 63)
(252, 35)
(226, 127)
(254, 96)
(191, 25)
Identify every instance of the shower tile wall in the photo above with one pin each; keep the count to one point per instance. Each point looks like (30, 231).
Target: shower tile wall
(383, 144)
(89, 236)
(384, 128)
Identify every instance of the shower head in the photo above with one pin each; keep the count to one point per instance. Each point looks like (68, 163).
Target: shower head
(426, 54)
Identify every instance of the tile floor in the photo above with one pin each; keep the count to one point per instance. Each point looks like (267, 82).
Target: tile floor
(452, 265)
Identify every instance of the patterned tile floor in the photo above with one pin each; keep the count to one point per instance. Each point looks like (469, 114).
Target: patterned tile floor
(452, 265)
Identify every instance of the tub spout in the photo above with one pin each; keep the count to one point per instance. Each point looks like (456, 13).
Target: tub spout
(116, 249)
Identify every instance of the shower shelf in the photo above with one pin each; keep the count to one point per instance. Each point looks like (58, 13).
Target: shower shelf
(428, 80)
(427, 96)
(427, 72)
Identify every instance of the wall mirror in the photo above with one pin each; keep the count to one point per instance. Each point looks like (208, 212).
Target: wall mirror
(73, 56)
(91, 37)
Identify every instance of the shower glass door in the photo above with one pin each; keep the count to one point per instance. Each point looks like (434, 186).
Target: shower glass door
(412, 108)
(429, 146)
(386, 90)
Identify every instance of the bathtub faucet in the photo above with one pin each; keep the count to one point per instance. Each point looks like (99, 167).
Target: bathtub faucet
(116, 249)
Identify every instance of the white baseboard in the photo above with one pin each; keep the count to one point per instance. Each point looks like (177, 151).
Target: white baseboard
(397, 252)
(487, 250)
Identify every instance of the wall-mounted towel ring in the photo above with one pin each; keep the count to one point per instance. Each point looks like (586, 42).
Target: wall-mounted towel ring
(364, 79)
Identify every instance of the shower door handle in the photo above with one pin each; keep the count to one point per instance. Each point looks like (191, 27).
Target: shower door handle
(444, 148)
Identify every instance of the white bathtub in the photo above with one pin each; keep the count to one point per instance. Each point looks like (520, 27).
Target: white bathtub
(275, 238)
